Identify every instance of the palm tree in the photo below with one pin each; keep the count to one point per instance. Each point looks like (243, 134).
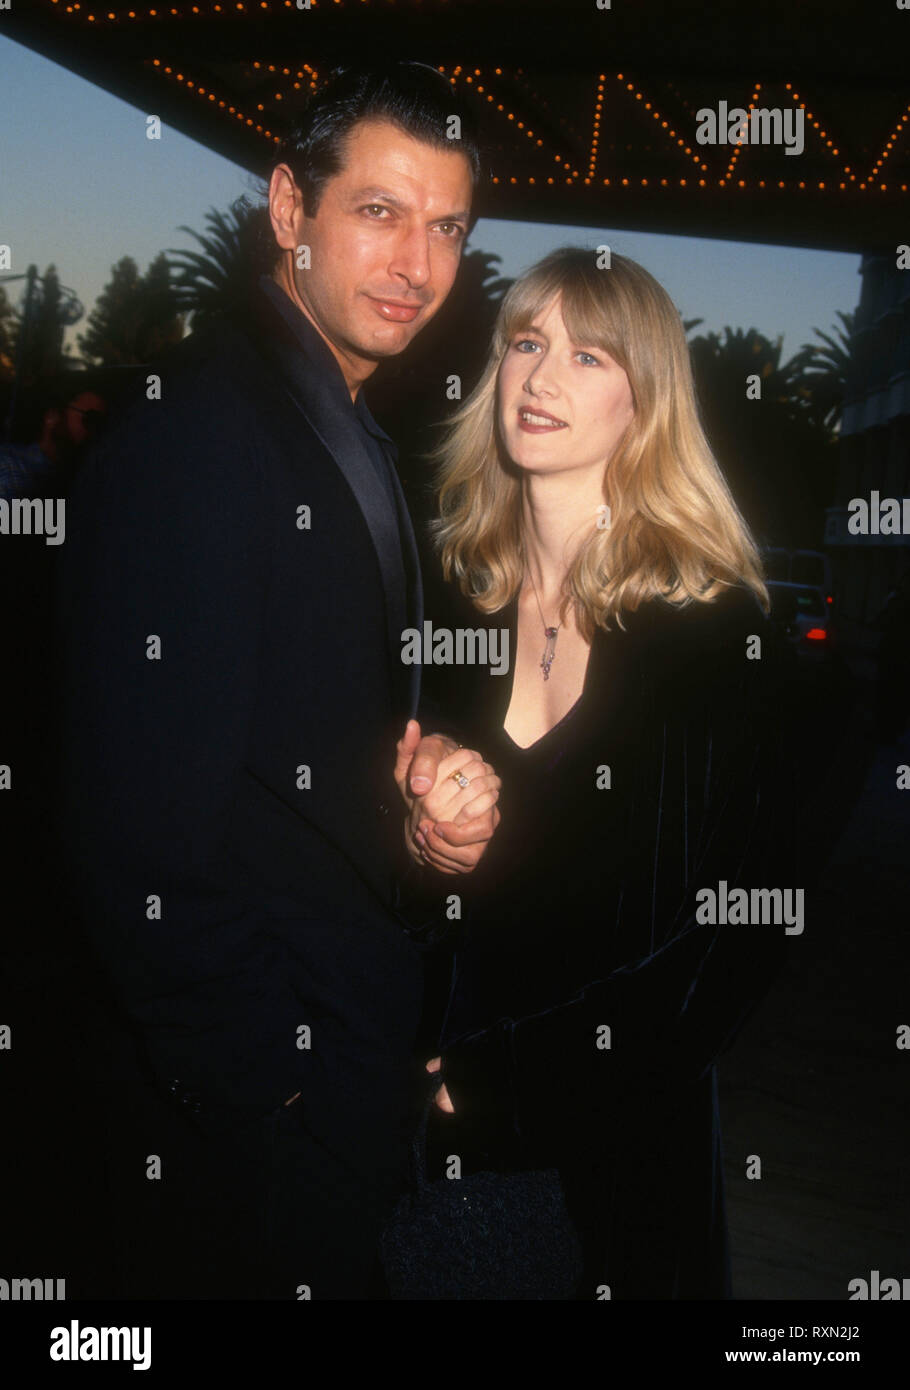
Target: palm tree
(211, 282)
(722, 364)
(819, 374)
(776, 458)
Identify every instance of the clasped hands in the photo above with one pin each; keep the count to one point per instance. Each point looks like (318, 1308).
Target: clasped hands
(449, 825)
(449, 822)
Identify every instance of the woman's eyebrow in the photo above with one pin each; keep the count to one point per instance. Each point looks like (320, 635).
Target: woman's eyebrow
(578, 346)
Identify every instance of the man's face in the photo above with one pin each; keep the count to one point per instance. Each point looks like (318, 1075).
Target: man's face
(385, 243)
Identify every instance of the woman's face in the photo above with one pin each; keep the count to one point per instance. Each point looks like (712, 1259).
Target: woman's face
(562, 405)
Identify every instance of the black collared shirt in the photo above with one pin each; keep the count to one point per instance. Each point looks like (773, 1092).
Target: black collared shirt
(379, 445)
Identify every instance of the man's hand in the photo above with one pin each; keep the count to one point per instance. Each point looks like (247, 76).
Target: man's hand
(442, 1096)
(448, 826)
(424, 753)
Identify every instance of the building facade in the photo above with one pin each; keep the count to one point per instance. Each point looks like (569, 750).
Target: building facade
(874, 450)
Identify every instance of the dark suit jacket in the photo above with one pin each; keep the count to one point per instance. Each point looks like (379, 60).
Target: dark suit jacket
(183, 776)
(592, 921)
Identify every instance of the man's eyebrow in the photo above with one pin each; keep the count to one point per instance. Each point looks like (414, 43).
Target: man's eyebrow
(383, 195)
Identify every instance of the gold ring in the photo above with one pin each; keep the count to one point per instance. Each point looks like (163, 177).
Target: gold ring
(460, 778)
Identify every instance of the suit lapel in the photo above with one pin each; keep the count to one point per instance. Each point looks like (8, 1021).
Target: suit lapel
(336, 428)
(414, 581)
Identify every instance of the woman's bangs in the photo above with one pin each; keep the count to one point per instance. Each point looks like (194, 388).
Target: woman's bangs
(592, 320)
(527, 310)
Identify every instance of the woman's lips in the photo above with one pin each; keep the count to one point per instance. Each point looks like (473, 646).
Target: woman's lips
(397, 313)
(537, 428)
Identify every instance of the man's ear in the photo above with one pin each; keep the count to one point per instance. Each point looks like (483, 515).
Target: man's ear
(285, 208)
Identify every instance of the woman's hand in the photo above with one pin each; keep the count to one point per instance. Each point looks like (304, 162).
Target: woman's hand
(449, 800)
(451, 807)
(449, 825)
(442, 1095)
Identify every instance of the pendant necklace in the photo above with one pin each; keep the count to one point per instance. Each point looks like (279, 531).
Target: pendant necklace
(546, 661)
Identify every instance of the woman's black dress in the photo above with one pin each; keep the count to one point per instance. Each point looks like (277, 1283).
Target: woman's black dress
(587, 1004)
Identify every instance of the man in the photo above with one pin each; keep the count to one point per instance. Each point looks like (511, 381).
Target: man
(239, 569)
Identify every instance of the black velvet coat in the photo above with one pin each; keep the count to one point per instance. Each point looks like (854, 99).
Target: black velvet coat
(582, 918)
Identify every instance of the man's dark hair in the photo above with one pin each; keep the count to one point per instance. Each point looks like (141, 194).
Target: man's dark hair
(413, 96)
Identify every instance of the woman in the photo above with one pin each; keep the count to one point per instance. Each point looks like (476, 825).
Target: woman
(639, 740)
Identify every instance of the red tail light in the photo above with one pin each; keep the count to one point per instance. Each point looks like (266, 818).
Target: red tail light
(816, 634)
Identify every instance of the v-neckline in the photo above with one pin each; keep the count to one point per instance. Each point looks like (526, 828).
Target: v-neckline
(513, 647)
(528, 747)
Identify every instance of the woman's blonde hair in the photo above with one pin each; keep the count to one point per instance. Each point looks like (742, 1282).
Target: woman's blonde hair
(674, 529)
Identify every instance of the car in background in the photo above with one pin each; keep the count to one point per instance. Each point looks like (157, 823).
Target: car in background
(810, 567)
(803, 614)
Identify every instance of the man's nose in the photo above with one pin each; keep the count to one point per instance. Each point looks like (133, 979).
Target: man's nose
(412, 258)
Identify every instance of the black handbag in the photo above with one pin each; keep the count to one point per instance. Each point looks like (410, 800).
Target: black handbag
(489, 1235)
